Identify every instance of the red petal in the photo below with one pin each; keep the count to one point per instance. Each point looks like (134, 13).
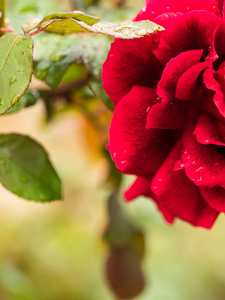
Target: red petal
(129, 63)
(154, 8)
(142, 186)
(219, 41)
(215, 197)
(179, 195)
(169, 114)
(210, 79)
(188, 86)
(166, 19)
(174, 69)
(135, 149)
(206, 132)
(193, 30)
(203, 164)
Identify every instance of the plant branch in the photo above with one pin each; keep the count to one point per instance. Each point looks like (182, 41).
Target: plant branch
(2, 15)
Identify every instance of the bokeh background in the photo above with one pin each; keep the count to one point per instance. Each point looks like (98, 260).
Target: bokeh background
(56, 251)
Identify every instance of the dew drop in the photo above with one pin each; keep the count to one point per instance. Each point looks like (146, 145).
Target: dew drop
(114, 154)
(201, 170)
(15, 99)
(24, 39)
(12, 80)
(154, 188)
(1, 101)
(160, 179)
(206, 141)
(30, 46)
(158, 99)
(199, 180)
(23, 52)
(194, 163)
(188, 157)
(147, 109)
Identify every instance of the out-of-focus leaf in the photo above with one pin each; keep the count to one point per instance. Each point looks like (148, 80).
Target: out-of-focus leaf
(53, 56)
(26, 170)
(123, 272)
(98, 91)
(28, 99)
(77, 21)
(15, 68)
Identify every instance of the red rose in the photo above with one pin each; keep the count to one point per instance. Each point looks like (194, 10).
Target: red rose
(168, 127)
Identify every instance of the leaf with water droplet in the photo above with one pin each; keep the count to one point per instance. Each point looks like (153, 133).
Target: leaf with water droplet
(14, 55)
(77, 21)
(25, 169)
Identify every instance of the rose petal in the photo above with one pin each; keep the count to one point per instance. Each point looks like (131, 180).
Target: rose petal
(166, 19)
(210, 79)
(189, 88)
(203, 164)
(219, 41)
(215, 197)
(179, 195)
(193, 30)
(142, 186)
(206, 132)
(135, 149)
(154, 8)
(169, 114)
(129, 63)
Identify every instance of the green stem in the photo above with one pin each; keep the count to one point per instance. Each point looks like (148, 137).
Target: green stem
(2, 13)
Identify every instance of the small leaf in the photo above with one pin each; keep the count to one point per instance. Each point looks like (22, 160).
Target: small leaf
(66, 23)
(15, 68)
(26, 170)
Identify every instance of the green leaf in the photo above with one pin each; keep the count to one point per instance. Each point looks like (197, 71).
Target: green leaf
(53, 57)
(15, 68)
(26, 170)
(62, 23)
(28, 99)
(66, 23)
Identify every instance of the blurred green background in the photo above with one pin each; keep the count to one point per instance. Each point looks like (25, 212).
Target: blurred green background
(56, 251)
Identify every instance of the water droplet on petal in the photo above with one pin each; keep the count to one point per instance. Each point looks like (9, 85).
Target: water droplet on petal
(206, 141)
(154, 188)
(194, 163)
(199, 180)
(160, 179)
(201, 170)
(12, 80)
(147, 109)
(114, 154)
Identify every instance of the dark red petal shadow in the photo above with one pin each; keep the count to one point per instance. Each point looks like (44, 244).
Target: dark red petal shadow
(179, 195)
(135, 149)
